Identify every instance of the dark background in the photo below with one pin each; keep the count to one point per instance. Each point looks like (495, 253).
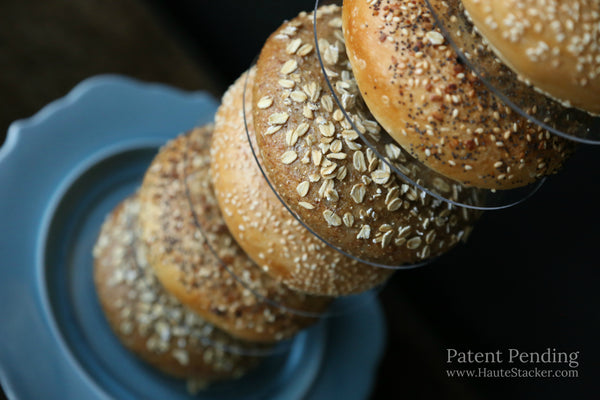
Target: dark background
(527, 279)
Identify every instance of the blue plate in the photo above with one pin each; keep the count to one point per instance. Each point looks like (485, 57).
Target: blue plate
(61, 172)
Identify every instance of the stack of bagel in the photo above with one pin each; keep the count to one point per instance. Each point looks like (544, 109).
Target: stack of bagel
(243, 232)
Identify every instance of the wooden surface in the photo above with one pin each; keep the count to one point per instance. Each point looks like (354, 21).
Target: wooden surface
(48, 46)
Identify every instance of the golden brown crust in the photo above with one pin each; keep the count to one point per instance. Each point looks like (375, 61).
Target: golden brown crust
(149, 321)
(442, 114)
(178, 211)
(322, 169)
(258, 221)
(555, 45)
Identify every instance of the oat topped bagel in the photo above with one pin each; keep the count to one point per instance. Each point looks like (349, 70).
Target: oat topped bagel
(258, 221)
(319, 165)
(177, 212)
(150, 321)
(419, 91)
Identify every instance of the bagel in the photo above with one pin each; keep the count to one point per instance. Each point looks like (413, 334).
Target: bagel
(196, 259)
(419, 91)
(151, 322)
(320, 166)
(554, 46)
(260, 223)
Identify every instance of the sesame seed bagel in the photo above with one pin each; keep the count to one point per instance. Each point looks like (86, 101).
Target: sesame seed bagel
(418, 90)
(321, 168)
(151, 322)
(261, 225)
(554, 45)
(180, 218)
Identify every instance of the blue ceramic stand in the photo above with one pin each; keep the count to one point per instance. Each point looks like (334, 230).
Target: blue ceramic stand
(61, 172)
